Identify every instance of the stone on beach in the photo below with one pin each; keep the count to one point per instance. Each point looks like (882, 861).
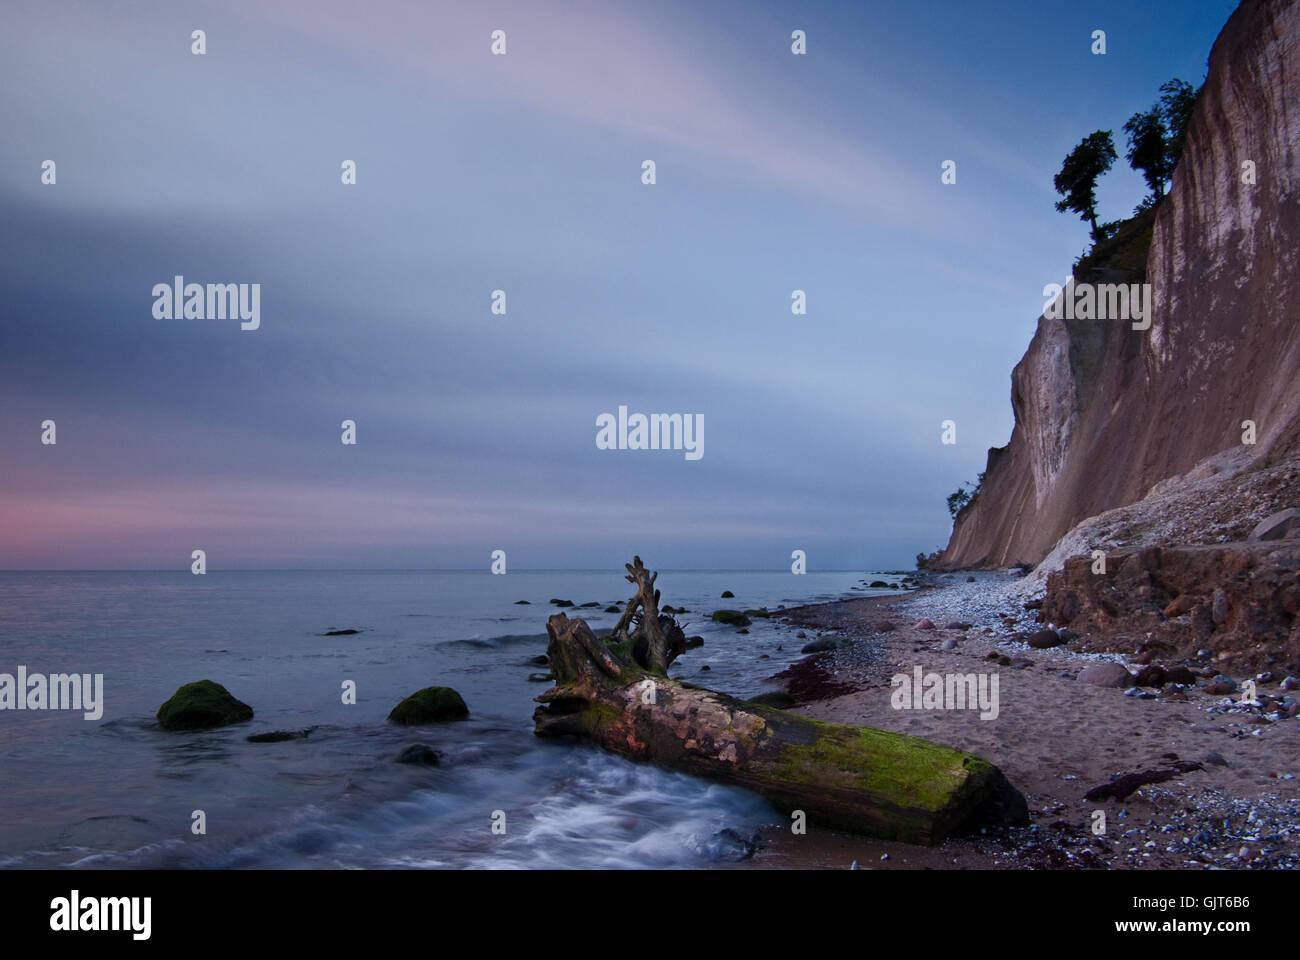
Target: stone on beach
(924, 624)
(1280, 526)
(1045, 639)
(1107, 675)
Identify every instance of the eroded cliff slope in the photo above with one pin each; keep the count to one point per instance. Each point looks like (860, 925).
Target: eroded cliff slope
(1102, 411)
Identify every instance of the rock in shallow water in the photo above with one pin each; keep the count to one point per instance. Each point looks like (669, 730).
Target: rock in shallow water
(430, 705)
(418, 753)
(732, 617)
(279, 736)
(202, 706)
(729, 845)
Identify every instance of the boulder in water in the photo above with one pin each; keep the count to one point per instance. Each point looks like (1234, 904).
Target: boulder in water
(732, 617)
(430, 705)
(202, 706)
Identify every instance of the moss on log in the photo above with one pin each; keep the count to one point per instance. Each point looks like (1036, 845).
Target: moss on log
(859, 779)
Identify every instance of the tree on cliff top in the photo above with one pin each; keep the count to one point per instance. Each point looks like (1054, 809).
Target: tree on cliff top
(1177, 98)
(1156, 136)
(1148, 149)
(1077, 181)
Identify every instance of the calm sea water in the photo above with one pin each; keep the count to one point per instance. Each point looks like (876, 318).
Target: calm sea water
(119, 792)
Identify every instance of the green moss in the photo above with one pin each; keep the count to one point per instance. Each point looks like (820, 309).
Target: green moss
(733, 617)
(430, 705)
(907, 770)
(761, 613)
(201, 706)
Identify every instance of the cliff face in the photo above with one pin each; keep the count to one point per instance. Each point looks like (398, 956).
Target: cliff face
(1102, 411)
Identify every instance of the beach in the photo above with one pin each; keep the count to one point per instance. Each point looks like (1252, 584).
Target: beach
(1055, 737)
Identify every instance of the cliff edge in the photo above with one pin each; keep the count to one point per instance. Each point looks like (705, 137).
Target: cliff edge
(1104, 412)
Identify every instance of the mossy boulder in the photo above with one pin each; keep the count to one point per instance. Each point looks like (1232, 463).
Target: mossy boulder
(202, 706)
(733, 617)
(693, 642)
(761, 613)
(430, 705)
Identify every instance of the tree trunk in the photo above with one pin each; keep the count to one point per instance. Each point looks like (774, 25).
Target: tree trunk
(859, 779)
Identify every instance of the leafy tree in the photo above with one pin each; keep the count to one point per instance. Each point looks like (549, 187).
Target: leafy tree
(1077, 181)
(957, 502)
(1177, 98)
(1148, 148)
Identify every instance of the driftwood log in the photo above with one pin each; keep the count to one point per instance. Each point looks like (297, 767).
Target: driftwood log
(858, 779)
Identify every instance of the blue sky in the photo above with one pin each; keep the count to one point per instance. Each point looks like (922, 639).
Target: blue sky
(522, 172)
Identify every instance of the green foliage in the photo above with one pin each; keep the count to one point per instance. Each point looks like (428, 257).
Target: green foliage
(1077, 181)
(1148, 148)
(959, 501)
(1156, 136)
(1177, 100)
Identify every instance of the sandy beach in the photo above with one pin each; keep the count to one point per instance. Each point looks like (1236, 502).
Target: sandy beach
(1055, 737)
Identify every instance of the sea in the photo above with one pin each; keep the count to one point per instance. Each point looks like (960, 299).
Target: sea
(118, 792)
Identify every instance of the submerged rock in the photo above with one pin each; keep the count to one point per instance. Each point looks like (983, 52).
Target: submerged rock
(341, 633)
(727, 595)
(418, 753)
(820, 645)
(202, 706)
(612, 609)
(430, 705)
(279, 736)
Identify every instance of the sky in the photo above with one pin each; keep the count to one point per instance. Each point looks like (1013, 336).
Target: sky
(522, 172)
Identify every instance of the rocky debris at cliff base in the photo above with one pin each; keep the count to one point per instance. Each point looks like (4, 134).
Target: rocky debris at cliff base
(1238, 601)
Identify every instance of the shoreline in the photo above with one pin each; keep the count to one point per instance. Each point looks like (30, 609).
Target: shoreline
(1054, 736)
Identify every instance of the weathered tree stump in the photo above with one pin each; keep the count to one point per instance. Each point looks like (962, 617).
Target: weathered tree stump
(858, 779)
